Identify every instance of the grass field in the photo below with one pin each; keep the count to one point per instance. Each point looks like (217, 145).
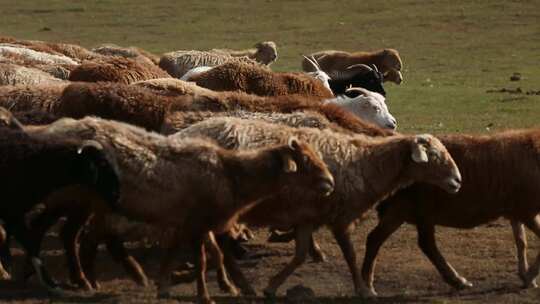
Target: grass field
(453, 53)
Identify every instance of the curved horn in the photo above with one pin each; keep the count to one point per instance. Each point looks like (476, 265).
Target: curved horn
(361, 91)
(374, 67)
(351, 71)
(312, 63)
(316, 63)
(89, 144)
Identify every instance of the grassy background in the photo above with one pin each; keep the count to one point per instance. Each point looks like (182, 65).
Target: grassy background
(453, 51)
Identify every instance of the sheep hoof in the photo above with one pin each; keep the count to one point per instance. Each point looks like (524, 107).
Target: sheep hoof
(462, 283)
(319, 257)
(228, 288)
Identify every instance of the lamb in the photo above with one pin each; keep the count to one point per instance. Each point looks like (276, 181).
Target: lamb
(366, 170)
(264, 52)
(387, 61)
(33, 167)
(256, 80)
(12, 74)
(130, 52)
(149, 162)
(179, 62)
(45, 58)
(116, 69)
(500, 179)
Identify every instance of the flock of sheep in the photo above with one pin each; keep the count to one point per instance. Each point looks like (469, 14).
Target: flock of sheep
(193, 148)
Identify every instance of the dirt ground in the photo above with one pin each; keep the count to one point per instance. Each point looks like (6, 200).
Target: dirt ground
(485, 255)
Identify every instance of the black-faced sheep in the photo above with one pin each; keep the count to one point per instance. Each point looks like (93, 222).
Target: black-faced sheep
(179, 62)
(33, 167)
(387, 61)
(116, 69)
(500, 172)
(260, 81)
(162, 181)
(264, 52)
(366, 171)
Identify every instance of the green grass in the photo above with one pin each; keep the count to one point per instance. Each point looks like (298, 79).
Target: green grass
(453, 51)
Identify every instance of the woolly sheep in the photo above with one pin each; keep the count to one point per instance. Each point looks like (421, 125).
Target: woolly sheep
(264, 52)
(366, 170)
(179, 62)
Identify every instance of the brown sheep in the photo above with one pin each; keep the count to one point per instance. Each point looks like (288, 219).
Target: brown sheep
(366, 171)
(500, 172)
(256, 80)
(116, 69)
(387, 61)
(264, 52)
(149, 162)
(140, 106)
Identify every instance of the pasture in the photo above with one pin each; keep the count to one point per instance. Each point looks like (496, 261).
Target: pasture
(458, 59)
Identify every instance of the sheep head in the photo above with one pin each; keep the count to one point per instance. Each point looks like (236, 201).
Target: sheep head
(367, 105)
(319, 74)
(433, 163)
(266, 52)
(306, 167)
(358, 75)
(391, 66)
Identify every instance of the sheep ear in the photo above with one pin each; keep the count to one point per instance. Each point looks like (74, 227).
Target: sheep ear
(289, 165)
(419, 149)
(293, 143)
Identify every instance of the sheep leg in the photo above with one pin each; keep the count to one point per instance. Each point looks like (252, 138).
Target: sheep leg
(376, 238)
(70, 234)
(234, 270)
(520, 238)
(533, 271)
(164, 279)
(32, 249)
(223, 279)
(426, 241)
(200, 267)
(342, 234)
(116, 248)
(303, 237)
(88, 251)
(315, 251)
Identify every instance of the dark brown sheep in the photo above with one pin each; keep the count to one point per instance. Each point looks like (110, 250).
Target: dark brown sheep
(116, 69)
(149, 162)
(387, 61)
(32, 167)
(260, 81)
(501, 175)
